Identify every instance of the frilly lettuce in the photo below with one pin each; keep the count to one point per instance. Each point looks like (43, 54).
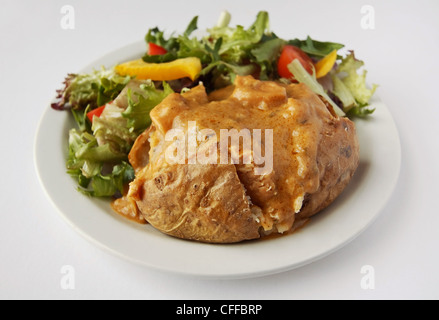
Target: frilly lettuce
(301, 75)
(355, 83)
(140, 104)
(237, 42)
(112, 128)
(93, 89)
(349, 94)
(86, 163)
(343, 93)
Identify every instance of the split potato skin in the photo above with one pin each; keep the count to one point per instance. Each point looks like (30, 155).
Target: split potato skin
(315, 154)
(199, 202)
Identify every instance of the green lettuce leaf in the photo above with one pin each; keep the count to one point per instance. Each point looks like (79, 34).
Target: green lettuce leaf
(84, 146)
(105, 146)
(302, 76)
(238, 41)
(192, 47)
(111, 184)
(111, 84)
(360, 111)
(266, 55)
(193, 25)
(155, 35)
(83, 91)
(112, 128)
(177, 47)
(137, 113)
(354, 81)
(316, 48)
(80, 117)
(343, 93)
(90, 90)
(86, 161)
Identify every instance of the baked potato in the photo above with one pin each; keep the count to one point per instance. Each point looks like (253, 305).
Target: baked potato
(314, 155)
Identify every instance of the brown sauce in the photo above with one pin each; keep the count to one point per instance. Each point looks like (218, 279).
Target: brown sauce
(298, 225)
(128, 209)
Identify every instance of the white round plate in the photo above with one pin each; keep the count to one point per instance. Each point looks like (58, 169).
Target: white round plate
(328, 231)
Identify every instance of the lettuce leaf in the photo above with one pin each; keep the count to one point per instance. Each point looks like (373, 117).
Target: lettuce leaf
(354, 81)
(94, 89)
(137, 113)
(98, 154)
(112, 128)
(360, 111)
(343, 93)
(84, 146)
(177, 47)
(316, 48)
(111, 184)
(238, 42)
(86, 162)
(302, 76)
(266, 55)
(111, 84)
(80, 117)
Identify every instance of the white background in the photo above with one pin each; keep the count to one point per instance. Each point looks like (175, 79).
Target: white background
(401, 55)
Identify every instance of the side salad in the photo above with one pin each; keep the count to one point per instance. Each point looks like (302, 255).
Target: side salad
(111, 106)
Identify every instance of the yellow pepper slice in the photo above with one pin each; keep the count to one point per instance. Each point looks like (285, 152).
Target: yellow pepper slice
(180, 68)
(326, 64)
